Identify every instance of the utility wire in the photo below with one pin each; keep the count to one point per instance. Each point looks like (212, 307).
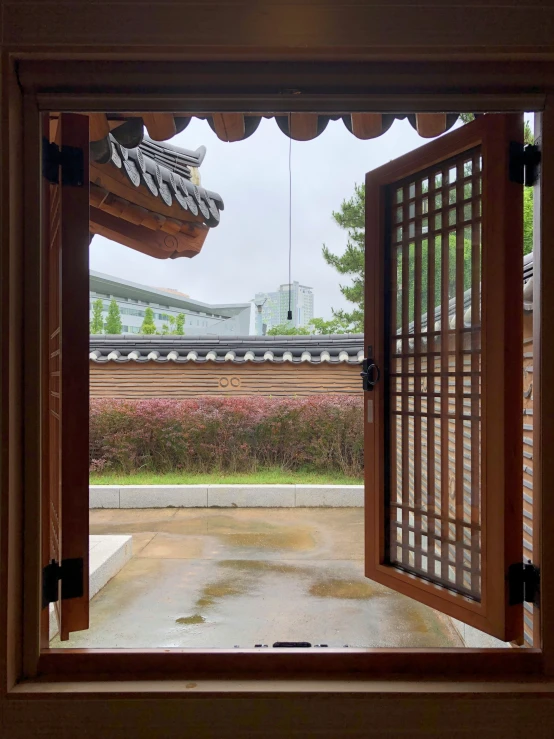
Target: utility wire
(289, 314)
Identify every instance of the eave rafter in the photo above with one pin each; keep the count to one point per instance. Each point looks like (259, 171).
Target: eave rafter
(149, 185)
(299, 126)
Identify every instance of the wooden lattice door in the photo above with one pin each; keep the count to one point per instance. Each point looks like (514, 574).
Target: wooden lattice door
(65, 302)
(444, 331)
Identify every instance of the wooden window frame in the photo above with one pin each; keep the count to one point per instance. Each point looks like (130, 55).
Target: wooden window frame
(230, 91)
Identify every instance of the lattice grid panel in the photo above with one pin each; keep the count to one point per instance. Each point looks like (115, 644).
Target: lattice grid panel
(433, 306)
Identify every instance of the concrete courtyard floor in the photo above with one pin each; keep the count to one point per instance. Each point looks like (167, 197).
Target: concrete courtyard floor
(220, 578)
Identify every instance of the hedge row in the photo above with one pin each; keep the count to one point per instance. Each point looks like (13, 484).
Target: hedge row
(227, 434)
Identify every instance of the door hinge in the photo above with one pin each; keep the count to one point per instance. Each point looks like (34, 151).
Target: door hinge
(69, 158)
(524, 580)
(524, 163)
(70, 573)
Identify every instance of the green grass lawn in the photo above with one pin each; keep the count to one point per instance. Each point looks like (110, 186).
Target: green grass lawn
(275, 476)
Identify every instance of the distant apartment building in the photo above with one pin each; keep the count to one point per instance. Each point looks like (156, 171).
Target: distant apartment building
(276, 306)
(201, 319)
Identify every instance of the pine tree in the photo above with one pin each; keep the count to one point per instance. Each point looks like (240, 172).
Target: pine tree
(148, 325)
(179, 329)
(351, 218)
(113, 321)
(97, 323)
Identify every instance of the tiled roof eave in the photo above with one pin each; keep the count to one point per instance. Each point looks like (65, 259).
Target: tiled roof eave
(167, 180)
(354, 359)
(229, 351)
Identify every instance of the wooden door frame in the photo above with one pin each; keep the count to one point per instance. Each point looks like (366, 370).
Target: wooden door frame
(502, 284)
(235, 90)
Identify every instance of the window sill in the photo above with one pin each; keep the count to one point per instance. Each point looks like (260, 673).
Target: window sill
(352, 685)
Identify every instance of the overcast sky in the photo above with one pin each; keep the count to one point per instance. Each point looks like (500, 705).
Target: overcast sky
(248, 251)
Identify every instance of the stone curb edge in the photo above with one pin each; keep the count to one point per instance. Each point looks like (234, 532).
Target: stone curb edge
(226, 496)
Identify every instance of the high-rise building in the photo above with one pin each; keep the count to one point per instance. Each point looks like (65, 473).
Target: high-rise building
(271, 311)
(276, 306)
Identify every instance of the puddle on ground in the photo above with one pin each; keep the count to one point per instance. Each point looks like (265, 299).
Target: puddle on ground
(295, 540)
(260, 534)
(205, 602)
(347, 589)
(258, 565)
(224, 588)
(196, 619)
(230, 531)
(415, 621)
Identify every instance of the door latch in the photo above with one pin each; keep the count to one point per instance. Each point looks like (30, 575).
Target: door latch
(370, 373)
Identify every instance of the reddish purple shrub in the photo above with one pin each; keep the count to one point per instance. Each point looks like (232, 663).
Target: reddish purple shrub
(320, 433)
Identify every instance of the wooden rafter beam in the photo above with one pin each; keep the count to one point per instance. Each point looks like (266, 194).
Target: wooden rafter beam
(154, 243)
(116, 206)
(115, 181)
(229, 126)
(303, 126)
(430, 125)
(160, 126)
(367, 125)
(99, 126)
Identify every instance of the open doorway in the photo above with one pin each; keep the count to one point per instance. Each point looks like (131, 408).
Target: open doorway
(243, 572)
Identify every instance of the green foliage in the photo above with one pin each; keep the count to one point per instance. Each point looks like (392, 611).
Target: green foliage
(176, 326)
(336, 325)
(179, 329)
(113, 321)
(528, 138)
(262, 476)
(528, 135)
(351, 218)
(455, 253)
(319, 433)
(167, 329)
(287, 329)
(527, 220)
(97, 323)
(148, 326)
(467, 117)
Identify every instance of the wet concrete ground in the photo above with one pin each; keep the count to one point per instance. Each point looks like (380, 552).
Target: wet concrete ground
(219, 578)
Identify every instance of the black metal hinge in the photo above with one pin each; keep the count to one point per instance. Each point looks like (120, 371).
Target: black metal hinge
(69, 158)
(524, 580)
(70, 573)
(524, 163)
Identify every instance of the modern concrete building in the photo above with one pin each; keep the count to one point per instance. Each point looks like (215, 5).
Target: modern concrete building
(201, 319)
(276, 306)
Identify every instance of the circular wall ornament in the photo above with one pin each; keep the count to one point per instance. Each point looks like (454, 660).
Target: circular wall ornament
(233, 382)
